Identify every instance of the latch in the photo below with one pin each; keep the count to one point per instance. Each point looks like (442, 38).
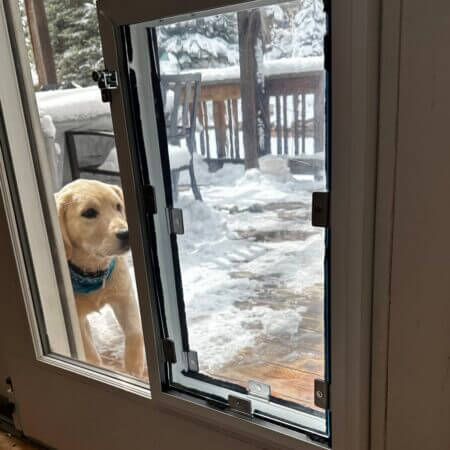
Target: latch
(175, 220)
(259, 390)
(107, 81)
(320, 209)
(240, 405)
(321, 394)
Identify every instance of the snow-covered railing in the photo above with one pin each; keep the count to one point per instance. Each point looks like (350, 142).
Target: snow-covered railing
(295, 87)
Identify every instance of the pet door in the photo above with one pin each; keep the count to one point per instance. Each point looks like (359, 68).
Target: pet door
(230, 110)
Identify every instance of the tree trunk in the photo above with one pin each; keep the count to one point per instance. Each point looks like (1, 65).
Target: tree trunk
(255, 104)
(40, 40)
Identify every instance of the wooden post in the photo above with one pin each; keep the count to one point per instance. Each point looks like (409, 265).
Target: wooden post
(234, 104)
(255, 105)
(221, 128)
(40, 40)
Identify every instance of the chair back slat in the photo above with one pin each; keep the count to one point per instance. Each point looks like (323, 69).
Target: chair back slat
(181, 114)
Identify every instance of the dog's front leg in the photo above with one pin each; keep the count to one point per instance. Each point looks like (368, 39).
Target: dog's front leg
(90, 352)
(127, 314)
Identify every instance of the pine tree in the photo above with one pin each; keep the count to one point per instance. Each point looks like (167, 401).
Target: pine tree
(200, 43)
(75, 39)
(310, 22)
(295, 29)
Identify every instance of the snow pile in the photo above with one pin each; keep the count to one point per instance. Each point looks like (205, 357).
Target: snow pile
(48, 128)
(274, 165)
(179, 156)
(72, 104)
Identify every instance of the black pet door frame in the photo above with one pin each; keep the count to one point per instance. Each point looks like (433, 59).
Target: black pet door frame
(179, 361)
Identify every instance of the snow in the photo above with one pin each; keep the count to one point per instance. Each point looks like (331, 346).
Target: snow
(179, 156)
(226, 268)
(72, 104)
(48, 128)
(280, 66)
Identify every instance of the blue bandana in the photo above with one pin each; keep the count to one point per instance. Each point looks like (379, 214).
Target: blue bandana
(88, 282)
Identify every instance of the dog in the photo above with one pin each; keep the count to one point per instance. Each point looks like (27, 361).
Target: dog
(95, 234)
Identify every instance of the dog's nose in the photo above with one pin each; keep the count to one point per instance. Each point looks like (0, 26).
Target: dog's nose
(123, 235)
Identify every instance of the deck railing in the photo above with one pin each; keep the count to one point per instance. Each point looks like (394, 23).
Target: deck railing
(296, 103)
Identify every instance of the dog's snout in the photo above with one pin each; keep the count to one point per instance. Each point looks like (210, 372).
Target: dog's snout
(123, 235)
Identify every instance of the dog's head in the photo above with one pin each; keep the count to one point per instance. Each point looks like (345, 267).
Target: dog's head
(92, 218)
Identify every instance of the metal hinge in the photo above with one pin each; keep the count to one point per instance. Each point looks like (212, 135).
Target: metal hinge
(320, 209)
(107, 81)
(322, 394)
(169, 351)
(259, 390)
(240, 405)
(192, 361)
(175, 220)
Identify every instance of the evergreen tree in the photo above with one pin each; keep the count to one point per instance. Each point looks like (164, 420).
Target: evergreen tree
(200, 43)
(75, 40)
(310, 23)
(295, 29)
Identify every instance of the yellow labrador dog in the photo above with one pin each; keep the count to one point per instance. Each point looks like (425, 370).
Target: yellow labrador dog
(95, 233)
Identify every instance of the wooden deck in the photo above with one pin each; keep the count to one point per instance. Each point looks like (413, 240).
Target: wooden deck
(289, 366)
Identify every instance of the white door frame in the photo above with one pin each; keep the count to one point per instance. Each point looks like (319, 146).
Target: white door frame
(95, 399)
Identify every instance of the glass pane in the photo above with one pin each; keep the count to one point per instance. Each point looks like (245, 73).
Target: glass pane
(243, 96)
(252, 265)
(97, 312)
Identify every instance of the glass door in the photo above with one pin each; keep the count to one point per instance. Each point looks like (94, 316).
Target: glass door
(230, 112)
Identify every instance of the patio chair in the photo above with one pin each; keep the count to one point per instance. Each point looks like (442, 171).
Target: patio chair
(181, 95)
(89, 149)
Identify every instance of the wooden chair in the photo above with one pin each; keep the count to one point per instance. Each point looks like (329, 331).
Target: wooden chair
(181, 95)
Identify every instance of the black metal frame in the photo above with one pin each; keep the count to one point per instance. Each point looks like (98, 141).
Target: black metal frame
(169, 384)
(71, 148)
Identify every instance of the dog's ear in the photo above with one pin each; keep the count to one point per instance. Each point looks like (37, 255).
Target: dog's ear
(62, 201)
(117, 190)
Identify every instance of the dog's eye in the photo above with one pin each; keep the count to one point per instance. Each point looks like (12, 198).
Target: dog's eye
(119, 207)
(90, 213)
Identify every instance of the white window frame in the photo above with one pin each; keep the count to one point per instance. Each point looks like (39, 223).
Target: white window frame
(25, 140)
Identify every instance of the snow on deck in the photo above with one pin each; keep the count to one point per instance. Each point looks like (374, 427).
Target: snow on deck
(252, 270)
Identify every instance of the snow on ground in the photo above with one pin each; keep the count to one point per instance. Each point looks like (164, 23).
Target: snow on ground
(251, 232)
(72, 104)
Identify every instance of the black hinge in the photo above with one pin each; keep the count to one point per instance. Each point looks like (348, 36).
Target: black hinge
(169, 351)
(322, 394)
(320, 209)
(175, 220)
(107, 81)
(240, 405)
(148, 191)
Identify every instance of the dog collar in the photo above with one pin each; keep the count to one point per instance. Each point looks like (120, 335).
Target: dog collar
(88, 282)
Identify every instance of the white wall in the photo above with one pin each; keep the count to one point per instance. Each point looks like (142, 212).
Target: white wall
(418, 410)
